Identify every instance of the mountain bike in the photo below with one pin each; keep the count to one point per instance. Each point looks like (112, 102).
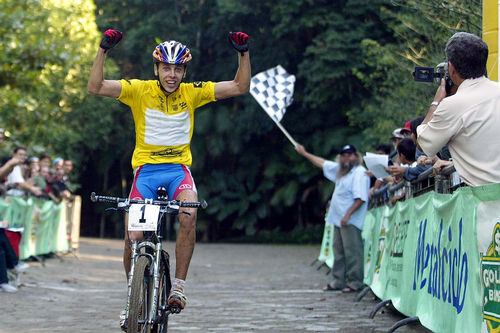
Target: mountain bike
(149, 278)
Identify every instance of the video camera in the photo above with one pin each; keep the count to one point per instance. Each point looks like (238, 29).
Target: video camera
(428, 74)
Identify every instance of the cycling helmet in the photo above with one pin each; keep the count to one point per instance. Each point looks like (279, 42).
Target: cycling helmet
(172, 52)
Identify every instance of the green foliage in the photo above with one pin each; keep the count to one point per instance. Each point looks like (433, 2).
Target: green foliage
(353, 61)
(44, 56)
(420, 30)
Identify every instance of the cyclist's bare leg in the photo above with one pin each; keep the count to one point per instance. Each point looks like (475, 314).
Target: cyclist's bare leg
(184, 248)
(186, 237)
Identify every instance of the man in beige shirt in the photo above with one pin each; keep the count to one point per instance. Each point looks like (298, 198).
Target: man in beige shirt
(469, 120)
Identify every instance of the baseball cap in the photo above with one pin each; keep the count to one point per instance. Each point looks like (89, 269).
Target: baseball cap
(397, 134)
(348, 149)
(406, 128)
(57, 161)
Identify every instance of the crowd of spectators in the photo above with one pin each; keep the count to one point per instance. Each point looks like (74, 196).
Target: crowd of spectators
(24, 176)
(40, 177)
(407, 161)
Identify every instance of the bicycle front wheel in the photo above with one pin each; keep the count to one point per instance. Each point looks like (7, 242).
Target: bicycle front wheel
(140, 297)
(163, 292)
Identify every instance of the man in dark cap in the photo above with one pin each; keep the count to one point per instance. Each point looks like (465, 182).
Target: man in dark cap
(347, 212)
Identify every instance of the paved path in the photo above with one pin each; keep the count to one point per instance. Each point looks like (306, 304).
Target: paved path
(231, 288)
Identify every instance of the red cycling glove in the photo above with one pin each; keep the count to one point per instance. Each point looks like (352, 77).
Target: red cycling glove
(110, 38)
(239, 40)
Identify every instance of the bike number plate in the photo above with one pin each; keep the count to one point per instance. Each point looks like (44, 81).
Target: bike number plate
(143, 217)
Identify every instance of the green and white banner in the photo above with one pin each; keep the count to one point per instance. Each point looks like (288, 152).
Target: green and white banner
(44, 223)
(425, 255)
(326, 252)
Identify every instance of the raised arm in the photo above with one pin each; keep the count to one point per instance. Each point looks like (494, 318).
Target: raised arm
(9, 166)
(316, 160)
(97, 84)
(241, 82)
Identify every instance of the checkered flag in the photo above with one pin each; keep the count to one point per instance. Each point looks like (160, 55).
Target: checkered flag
(273, 90)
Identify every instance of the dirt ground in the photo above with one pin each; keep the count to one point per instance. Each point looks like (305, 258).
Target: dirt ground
(230, 288)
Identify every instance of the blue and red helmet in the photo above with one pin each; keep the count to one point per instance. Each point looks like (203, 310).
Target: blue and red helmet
(172, 52)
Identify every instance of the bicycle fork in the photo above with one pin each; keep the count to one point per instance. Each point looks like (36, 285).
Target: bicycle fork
(130, 276)
(156, 283)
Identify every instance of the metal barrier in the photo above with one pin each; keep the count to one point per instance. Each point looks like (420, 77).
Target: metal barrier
(445, 182)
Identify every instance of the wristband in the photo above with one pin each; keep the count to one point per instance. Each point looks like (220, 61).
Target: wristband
(435, 103)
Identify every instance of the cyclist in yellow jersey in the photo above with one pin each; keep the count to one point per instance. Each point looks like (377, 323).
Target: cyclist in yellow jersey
(163, 112)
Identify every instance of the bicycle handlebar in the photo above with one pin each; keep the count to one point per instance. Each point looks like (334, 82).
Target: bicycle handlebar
(164, 203)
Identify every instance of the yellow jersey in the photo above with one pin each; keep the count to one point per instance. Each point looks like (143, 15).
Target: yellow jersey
(164, 124)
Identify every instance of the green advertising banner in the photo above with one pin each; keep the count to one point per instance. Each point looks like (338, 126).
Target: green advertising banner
(424, 254)
(326, 252)
(44, 224)
(374, 236)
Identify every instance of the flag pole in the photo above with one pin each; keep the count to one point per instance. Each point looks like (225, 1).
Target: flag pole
(289, 137)
(294, 143)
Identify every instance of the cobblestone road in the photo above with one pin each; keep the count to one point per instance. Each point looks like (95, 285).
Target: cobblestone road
(230, 288)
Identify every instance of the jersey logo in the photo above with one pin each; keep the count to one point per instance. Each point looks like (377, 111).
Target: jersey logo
(183, 105)
(166, 152)
(198, 84)
(161, 102)
(185, 186)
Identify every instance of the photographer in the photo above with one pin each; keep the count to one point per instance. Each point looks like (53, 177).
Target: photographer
(469, 119)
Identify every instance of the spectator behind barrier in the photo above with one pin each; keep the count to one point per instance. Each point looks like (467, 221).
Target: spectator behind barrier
(45, 160)
(406, 131)
(68, 181)
(395, 139)
(16, 178)
(68, 167)
(8, 165)
(469, 119)
(407, 150)
(38, 179)
(58, 163)
(382, 149)
(410, 172)
(58, 186)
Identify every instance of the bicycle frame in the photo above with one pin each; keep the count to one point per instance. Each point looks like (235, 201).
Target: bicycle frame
(155, 246)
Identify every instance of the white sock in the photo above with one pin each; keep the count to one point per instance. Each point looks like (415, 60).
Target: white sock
(178, 284)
